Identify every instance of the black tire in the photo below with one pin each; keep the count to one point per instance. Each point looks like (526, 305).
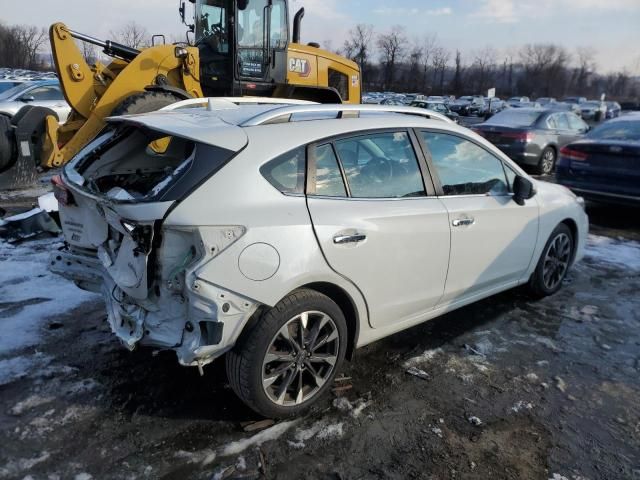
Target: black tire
(144, 102)
(7, 143)
(547, 162)
(20, 113)
(245, 368)
(538, 286)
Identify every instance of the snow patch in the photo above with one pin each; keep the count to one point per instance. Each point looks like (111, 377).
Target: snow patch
(355, 408)
(521, 405)
(267, 435)
(331, 431)
(29, 403)
(14, 467)
(624, 254)
(15, 368)
(31, 294)
(426, 356)
(320, 430)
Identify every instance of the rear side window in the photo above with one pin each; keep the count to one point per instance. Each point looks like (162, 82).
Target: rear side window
(340, 82)
(464, 168)
(287, 172)
(562, 122)
(576, 123)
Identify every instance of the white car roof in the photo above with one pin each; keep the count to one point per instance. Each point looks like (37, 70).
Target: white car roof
(223, 123)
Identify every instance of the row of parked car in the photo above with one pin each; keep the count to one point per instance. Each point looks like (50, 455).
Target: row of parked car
(479, 105)
(601, 163)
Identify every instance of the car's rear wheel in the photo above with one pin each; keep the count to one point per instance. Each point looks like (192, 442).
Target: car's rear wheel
(7, 149)
(289, 358)
(547, 162)
(554, 263)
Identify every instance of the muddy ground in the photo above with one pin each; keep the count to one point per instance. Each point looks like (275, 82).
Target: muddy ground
(514, 388)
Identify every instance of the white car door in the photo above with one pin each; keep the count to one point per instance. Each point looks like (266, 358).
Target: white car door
(492, 237)
(377, 226)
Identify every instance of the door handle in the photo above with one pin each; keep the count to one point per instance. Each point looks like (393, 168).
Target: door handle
(463, 222)
(344, 239)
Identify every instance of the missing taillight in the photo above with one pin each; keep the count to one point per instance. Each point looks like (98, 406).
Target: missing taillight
(61, 192)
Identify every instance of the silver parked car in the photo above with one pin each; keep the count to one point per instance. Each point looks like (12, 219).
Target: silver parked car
(287, 236)
(42, 93)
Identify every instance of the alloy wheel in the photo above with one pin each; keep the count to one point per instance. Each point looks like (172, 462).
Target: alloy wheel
(548, 161)
(556, 261)
(300, 359)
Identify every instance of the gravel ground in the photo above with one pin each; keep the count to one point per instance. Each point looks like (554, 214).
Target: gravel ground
(506, 388)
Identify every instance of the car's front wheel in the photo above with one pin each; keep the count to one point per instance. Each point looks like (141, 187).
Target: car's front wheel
(554, 263)
(289, 358)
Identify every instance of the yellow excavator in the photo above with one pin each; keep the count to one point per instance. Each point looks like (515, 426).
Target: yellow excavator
(239, 48)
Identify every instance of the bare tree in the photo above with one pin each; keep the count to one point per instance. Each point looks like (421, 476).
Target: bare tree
(439, 62)
(414, 81)
(545, 68)
(20, 46)
(429, 46)
(132, 35)
(392, 51)
(357, 46)
(457, 78)
(482, 72)
(89, 52)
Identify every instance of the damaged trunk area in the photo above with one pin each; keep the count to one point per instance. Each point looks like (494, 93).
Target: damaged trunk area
(135, 164)
(116, 195)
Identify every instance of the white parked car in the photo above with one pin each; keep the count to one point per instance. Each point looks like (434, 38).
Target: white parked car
(287, 236)
(40, 93)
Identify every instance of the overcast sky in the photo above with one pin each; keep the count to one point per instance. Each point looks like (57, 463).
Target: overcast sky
(611, 27)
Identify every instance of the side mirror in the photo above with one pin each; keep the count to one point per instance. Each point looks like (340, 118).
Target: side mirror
(27, 98)
(522, 190)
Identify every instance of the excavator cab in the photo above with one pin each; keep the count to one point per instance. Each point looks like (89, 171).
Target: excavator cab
(242, 45)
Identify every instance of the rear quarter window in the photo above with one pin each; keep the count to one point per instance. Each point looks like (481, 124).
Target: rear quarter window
(287, 172)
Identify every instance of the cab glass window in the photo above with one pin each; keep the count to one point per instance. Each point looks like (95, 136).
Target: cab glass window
(252, 24)
(287, 172)
(464, 168)
(340, 82)
(279, 29)
(328, 176)
(381, 165)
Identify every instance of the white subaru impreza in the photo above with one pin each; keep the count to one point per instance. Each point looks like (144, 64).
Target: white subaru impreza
(287, 236)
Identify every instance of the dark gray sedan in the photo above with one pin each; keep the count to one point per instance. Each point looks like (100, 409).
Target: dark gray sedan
(532, 137)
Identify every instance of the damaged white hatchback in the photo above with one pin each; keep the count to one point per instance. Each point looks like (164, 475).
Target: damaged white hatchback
(287, 236)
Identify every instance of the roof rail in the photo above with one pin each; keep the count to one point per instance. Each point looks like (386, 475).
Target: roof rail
(222, 103)
(284, 114)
